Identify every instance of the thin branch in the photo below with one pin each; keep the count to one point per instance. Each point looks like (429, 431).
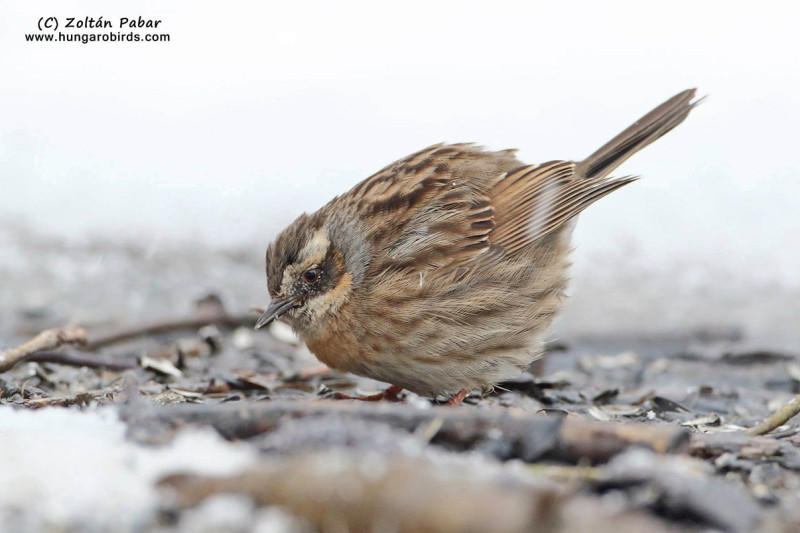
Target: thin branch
(777, 419)
(81, 398)
(73, 358)
(205, 315)
(533, 437)
(47, 340)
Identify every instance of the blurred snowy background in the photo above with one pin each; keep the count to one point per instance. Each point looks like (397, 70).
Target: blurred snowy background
(257, 111)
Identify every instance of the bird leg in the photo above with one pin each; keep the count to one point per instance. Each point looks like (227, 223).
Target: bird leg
(392, 394)
(458, 398)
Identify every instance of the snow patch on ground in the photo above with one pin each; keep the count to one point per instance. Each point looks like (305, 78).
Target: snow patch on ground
(74, 469)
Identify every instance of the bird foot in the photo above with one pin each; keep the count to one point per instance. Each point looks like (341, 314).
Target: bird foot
(392, 394)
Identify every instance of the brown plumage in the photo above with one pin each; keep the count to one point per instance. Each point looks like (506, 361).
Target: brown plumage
(443, 271)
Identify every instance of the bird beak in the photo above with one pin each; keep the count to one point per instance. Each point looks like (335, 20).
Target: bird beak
(277, 307)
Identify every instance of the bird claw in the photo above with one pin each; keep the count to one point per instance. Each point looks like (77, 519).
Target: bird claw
(458, 398)
(392, 394)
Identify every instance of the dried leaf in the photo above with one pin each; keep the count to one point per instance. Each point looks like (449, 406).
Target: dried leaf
(160, 366)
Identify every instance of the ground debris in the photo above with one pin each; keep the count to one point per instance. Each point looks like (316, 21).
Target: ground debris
(369, 492)
(530, 438)
(633, 438)
(681, 488)
(47, 340)
(735, 355)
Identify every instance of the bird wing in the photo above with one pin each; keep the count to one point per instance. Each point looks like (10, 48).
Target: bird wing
(454, 206)
(532, 201)
(425, 211)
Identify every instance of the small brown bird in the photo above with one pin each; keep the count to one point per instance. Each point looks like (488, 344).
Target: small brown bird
(442, 272)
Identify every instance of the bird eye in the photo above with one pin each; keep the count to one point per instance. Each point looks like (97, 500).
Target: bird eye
(311, 275)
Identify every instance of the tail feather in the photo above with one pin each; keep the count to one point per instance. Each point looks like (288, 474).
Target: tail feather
(638, 135)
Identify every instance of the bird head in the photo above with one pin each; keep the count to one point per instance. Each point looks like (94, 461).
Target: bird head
(313, 266)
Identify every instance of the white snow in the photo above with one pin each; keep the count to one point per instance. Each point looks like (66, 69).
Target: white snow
(69, 468)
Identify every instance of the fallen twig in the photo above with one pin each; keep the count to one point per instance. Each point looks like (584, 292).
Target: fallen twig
(352, 491)
(567, 472)
(740, 445)
(208, 312)
(81, 398)
(530, 437)
(777, 419)
(73, 358)
(47, 340)
(414, 495)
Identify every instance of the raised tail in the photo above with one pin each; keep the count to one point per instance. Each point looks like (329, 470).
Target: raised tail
(638, 135)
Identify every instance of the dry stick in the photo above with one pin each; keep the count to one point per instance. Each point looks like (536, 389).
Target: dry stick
(413, 494)
(197, 320)
(81, 398)
(207, 313)
(73, 358)
(47, 340)
(777, 419)
(533, 437)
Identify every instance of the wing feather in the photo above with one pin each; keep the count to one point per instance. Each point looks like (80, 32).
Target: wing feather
(456, 206)
(536, 200)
